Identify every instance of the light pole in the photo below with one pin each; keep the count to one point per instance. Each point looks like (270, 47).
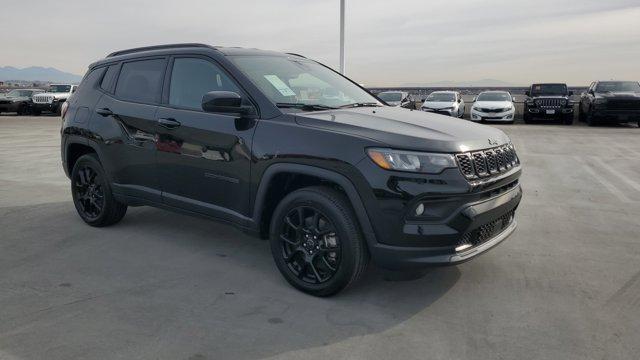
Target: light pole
(342, 65)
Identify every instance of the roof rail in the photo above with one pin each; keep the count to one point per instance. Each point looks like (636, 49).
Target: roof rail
(158, 47)
(294, 54)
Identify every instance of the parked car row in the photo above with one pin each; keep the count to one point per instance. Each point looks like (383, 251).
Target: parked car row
(603, 102)
(36, 101)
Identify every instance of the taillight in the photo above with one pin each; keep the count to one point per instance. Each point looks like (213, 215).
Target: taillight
(63, 110)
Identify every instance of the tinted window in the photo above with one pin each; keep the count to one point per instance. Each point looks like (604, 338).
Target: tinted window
(549, 89)
(191, 78)
(141, 81)
(90, 79)
(497, 96)
(446, 97)
(607, 86)
(109, 78)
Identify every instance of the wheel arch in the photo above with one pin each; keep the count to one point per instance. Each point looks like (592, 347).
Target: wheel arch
(282, 178)
(75, 148)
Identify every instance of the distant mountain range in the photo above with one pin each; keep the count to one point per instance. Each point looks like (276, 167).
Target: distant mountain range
(471, 83)
(37, 73)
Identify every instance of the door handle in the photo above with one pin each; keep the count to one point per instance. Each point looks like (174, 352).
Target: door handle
(104, 112)
(168, 123)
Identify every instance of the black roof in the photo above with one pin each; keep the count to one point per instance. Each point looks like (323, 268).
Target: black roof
(168, 48)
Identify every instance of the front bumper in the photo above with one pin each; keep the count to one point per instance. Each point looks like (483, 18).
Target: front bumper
(616, 116)
(447, 112)
(51, 107)
(455, 212)
(548, 113)
(502, 116)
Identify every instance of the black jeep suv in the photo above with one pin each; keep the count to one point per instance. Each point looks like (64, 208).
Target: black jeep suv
(611, 102)
(287, 149)
(548, 102)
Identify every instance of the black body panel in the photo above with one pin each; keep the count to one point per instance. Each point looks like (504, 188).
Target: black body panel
(228, 167)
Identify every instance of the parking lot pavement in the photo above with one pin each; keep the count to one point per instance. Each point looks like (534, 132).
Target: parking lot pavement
(160, 285)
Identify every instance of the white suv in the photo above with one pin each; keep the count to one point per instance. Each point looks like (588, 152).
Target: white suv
(493, 106)
(53, 99)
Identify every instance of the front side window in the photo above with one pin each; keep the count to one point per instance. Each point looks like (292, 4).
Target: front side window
(192, 78)
(292, 80)
(448, 97)
(141, 81)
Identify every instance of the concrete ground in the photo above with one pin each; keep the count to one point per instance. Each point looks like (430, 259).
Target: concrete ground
(160, 285)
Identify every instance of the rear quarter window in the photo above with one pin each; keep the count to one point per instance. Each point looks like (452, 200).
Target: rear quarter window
(141, 81)
(109, 78)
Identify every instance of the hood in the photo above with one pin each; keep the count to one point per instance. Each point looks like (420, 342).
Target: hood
(620, 94)
(438, 104)
(407, 129)
(492, 104)
(13, 98)
(550, 96)
(56, 95)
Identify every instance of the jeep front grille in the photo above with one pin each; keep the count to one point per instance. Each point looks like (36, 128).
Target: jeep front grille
(485, 163)
(42, 99)
(551, 103)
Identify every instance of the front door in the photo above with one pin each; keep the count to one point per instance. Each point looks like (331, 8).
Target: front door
(203, 158)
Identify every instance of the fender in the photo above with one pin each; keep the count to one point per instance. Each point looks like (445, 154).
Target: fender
(329, 175)
(80, 140)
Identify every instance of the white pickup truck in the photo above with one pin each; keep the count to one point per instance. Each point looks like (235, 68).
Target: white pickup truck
(53, 99)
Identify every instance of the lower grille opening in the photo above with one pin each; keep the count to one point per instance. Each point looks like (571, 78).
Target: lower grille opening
(485, 232)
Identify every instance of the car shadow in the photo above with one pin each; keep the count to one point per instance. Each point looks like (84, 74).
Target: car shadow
(184, 285)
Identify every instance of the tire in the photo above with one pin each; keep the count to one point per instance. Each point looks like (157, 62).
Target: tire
(591, 119)
(92, 195)
(23, 109)
(318, 254)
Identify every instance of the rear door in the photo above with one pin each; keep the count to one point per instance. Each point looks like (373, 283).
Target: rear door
(203, 158)
(129, 122)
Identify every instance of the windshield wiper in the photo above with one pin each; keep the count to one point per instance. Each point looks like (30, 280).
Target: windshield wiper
(361, 104)
(303, 106)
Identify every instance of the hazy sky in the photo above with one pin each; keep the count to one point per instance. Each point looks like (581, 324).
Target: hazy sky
(388, 42)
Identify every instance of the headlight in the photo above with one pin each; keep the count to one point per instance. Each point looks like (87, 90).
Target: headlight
(429, 163)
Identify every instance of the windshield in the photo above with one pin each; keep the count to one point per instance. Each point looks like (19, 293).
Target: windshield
(60, 88)
(624, 86)
(289, 80)
(494, 97)
(449, 97)
(548, 89)
(390, 96)
(19, 93)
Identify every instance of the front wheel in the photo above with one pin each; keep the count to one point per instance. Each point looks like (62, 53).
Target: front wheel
(591, 118)
(92, 194)
(316, 242)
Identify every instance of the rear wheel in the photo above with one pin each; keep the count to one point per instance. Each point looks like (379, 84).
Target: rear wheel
(92, 194)
(591, 118)
(316, 242)
(23, 109)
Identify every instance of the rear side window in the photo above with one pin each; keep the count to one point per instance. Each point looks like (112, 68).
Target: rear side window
(90, 79)
(109, 78)
(141, 81)
(191, 78)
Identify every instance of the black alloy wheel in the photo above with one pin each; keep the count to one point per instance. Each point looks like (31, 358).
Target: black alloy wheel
(89, 192)
(310, 246)
(92, 195)
(316, 241)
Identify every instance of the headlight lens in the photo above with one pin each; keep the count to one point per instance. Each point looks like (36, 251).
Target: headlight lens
(428, 163)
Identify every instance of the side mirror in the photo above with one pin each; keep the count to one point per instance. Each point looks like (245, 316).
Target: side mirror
(460, 100)
(223, 102)
(474, 99)
(528, 93)
(424, 99)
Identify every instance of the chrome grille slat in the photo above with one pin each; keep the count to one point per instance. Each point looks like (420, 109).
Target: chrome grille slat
(489, 162)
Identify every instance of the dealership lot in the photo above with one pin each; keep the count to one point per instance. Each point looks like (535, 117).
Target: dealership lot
(161, 285)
